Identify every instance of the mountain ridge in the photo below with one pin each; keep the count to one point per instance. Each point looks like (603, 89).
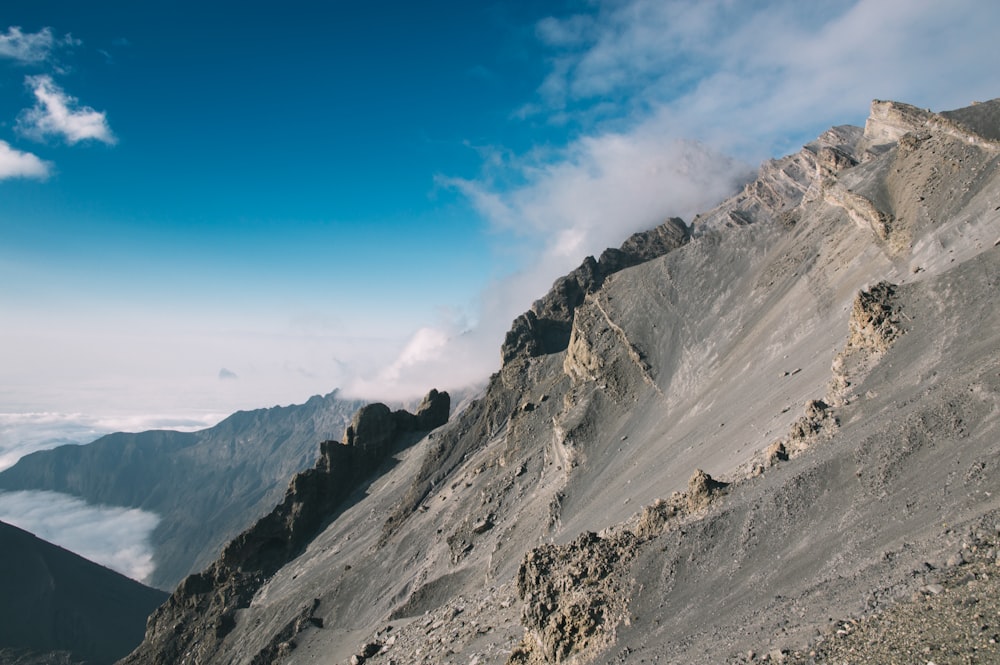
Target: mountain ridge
(313, 496)
(203, 484)
(754, 432)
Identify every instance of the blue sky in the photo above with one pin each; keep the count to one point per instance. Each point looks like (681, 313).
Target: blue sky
(213, 206)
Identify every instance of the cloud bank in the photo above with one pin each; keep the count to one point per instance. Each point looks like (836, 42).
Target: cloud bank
(56, 114)
(669, 102)
(741, 76)
(117, 538)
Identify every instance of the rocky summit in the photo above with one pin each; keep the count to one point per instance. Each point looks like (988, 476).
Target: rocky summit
(769, 435)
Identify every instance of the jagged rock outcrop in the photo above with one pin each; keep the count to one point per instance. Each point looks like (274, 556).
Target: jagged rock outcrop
(201, 611)
(890, 121)
(875, 324)
(432, 411)
(545, 328)
(874, 321)
(702, 489)
(783, 184)
(573, 593)
(572, 596)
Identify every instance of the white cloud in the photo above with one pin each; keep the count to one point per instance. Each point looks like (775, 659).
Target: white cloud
(114, 537)
(56, 113)
(603, 189)
(31, 47)
(744, 76)
(17, 164)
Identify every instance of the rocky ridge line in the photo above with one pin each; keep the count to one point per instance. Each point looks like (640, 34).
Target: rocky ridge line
(190, 626)
(544, 329)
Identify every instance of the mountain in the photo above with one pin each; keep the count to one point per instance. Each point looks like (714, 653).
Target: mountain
(206, 486)
(56, 601)
(775, 435)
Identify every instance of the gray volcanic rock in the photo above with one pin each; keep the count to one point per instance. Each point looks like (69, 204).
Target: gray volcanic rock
(545, 328)
(206, 486)
(57, 607)
(433, 410)
(787, 420)
(372, 430)
(982, 119)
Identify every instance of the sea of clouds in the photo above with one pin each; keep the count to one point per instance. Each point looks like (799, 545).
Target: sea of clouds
(112, 536)
(115, 537)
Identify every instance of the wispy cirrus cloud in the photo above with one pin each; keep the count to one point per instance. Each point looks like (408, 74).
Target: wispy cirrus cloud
(17, 164)
(32, 47)
(56, 113)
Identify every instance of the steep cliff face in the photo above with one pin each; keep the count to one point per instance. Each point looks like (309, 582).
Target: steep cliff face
(760, 429)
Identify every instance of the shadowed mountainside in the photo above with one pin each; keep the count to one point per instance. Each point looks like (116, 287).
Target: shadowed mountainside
(54, 600)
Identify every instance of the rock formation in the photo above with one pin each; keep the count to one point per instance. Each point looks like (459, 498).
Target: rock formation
(202, 610)
(545, 328)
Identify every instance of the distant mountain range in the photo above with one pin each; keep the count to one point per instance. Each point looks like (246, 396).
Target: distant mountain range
(206, 486)
(53, 600)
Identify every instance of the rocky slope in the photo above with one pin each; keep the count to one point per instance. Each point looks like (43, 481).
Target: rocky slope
(206, 486)
(782, 421)
(203, 608)
(59, 608)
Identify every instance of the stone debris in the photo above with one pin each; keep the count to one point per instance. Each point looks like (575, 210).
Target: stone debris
(953, 620)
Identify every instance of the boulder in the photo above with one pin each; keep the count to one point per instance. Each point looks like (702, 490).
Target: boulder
(433, 410)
